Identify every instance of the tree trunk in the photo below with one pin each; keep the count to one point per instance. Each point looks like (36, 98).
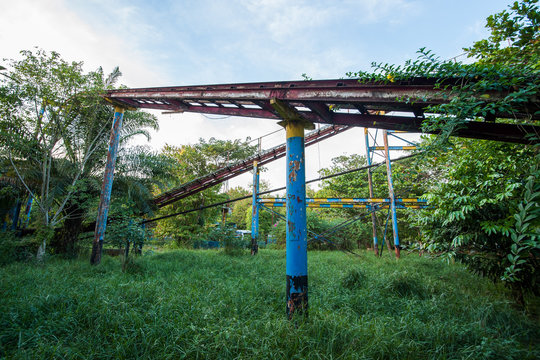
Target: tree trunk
(65, 242)
(126, 255)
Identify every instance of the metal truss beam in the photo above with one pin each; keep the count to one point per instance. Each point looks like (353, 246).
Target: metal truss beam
(338, 102)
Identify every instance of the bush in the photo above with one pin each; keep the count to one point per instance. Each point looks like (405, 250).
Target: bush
(13, 248)
(226, 236)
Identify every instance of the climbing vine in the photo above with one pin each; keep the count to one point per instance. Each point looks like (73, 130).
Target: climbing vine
(486, 195)
(478, 90)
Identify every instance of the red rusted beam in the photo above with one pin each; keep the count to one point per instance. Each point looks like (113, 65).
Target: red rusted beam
(312, 99)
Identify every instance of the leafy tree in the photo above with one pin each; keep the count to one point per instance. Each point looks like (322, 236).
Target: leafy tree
(486, 193)
(514, 37)
(239, 208)
(476, 195)
(54, 128)
(190, 163)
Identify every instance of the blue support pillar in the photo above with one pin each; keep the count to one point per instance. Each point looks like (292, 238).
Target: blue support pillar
(16, 211)
(296, 257)
(391, 193)
(27, 211)
(255, 211)
(370, 186)
(101, 221)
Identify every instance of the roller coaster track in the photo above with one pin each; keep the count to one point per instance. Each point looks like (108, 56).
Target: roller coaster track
(241, 167)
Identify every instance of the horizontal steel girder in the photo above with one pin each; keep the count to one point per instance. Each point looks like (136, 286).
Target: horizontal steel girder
(345, 200)
(339, 102)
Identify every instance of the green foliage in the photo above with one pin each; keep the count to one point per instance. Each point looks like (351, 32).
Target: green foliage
(485, 211)
(14, 248)
(525, 249)
(514, 36)
(189, 163)
(124, 228)
(54, 131)
(201, 304)
(504, 80)
(239, 208)
(226, 235)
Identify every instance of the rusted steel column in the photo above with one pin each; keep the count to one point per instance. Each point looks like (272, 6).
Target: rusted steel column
(296, 258)
(255, 211)
(101, 221)
(391, 193)
(370, 185)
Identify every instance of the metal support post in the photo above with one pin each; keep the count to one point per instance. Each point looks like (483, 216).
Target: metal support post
(27, 211)
(255, 211)
(391, 193)
(370, 185)
(16, 212)
(101, 221)
(296, 256)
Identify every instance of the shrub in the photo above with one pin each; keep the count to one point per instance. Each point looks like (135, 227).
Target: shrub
(13, 248)
(226, 236)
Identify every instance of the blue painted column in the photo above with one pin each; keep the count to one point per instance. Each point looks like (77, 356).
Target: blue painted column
(391, 193)
(16, 213)
(27, 211)
(296, 273)
(370, 186)
(255, 211)
(101, 221)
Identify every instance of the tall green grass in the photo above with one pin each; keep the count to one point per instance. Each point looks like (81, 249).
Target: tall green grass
(207, 305)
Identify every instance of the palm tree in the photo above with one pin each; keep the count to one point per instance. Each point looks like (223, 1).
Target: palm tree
(54, 128)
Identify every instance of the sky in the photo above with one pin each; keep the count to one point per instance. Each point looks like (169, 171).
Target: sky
(167, 43)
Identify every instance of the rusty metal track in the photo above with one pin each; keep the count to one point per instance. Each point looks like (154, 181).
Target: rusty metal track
(337, 102)
(241, 167)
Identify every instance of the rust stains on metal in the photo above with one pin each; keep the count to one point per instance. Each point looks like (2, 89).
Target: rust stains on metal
(311, 101)
(294, 166)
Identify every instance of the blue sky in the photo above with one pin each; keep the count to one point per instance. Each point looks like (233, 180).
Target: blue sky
(160, 43)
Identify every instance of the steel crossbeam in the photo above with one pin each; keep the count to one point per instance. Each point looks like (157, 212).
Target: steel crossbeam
(355, 206)
(346, 200)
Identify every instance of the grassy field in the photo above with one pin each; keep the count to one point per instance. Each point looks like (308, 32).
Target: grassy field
(207, 305)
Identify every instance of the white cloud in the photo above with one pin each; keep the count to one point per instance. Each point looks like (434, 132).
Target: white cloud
(52, 25)
(285, 19)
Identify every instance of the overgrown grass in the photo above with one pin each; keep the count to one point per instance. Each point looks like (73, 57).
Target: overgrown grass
(204, 304)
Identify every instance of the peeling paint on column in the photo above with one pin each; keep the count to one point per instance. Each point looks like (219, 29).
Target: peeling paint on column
(255, 211)
(296, 272)
(370, 186)
(101, 221)
(397, 246)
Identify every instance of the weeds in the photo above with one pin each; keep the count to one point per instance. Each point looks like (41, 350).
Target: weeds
(202, 304)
